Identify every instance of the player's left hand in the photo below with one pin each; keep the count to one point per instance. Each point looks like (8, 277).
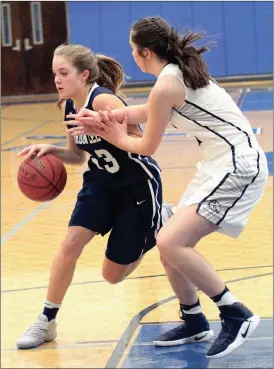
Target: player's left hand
(80, 128)
(104, 125)
(83, 122)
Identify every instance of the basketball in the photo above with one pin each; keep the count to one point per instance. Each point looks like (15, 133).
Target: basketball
(42, 179)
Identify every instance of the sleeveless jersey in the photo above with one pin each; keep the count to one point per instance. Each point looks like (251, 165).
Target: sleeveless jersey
(109, 165)
(211, 115)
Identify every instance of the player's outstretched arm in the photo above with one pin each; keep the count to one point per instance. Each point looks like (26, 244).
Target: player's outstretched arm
(137, 114)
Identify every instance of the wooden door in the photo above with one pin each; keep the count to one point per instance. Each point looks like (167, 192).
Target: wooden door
(13, 80)
(37, 28)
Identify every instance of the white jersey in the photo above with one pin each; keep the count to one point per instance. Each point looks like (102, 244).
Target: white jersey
(231, 178)
(211, 115)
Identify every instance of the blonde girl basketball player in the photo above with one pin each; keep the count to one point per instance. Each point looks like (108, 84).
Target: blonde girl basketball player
(121, 191)
(221, 195)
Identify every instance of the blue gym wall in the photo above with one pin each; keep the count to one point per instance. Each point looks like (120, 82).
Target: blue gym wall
(242, 29)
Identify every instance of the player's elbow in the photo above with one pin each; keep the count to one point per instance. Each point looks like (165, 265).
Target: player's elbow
(79, 157)
(149, 149)
(81, 160)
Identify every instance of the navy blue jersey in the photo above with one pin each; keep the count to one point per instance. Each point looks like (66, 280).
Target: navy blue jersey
(108, 164)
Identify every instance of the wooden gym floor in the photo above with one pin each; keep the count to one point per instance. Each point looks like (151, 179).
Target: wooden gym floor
(102, 325)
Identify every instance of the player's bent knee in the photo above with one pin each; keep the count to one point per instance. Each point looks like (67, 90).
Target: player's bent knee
(70, 249)
(115, 273)
(163, 245)
(167, 244)
(74, 242)
(113, 278)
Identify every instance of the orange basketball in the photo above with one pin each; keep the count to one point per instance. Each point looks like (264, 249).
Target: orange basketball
(42, 179)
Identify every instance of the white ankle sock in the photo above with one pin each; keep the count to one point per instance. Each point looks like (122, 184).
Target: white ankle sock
(51, 305)
(227, 299)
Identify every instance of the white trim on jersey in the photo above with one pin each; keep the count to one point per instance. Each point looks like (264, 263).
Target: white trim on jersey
(155, 166)
(88, 97)
(89, 94)
(142, 165)
(239, 129)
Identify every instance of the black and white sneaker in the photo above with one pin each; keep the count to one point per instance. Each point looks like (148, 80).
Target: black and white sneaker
(194, 329)
(235, 330)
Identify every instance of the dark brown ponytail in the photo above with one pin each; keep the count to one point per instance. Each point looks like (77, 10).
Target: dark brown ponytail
(189, 58)
(157, 35)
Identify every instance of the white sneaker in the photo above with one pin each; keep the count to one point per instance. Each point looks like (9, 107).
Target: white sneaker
(39, 332)
(166, 211)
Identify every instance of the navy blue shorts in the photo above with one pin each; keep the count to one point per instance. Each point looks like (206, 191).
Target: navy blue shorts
(131, 214)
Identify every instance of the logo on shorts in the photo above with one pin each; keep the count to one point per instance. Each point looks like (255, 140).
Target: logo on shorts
(215, 206)
(140, 202)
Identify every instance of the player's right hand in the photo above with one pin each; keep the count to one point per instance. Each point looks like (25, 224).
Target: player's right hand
(39, 150)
